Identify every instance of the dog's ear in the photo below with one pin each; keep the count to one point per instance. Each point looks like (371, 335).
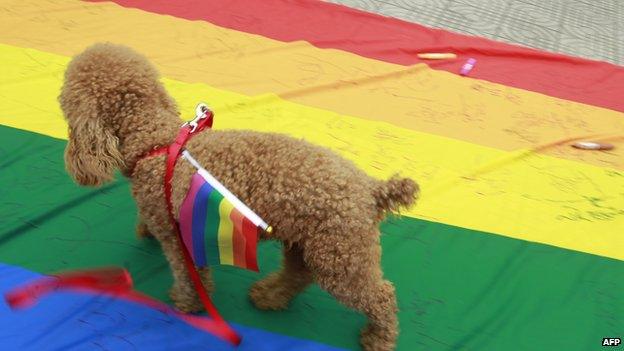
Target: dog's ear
(92, 154)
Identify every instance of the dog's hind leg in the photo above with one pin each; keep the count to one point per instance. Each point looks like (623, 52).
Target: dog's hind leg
(349, 269)
(142, 231)
(276, 290)
(380, 306)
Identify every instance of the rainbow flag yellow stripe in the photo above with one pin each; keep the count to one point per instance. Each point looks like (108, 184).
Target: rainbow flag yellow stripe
(226, 234)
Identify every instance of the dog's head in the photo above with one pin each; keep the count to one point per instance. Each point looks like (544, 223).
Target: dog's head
(107, 88)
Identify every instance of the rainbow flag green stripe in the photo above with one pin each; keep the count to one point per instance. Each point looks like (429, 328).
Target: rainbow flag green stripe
(213, 220)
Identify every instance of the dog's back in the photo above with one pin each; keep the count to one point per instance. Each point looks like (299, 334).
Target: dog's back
(295, 183)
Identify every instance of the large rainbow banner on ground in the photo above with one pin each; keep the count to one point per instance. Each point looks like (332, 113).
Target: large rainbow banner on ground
(515, 244)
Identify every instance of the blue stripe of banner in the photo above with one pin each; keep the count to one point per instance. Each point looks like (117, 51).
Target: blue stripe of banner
(81, 321)
(199, 223)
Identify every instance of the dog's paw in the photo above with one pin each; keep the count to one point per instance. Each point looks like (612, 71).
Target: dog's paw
(268, 294)
(376, 339)
(185, 301)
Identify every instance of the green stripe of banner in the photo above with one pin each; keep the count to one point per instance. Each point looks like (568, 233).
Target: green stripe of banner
(457, 289)
(211, 235)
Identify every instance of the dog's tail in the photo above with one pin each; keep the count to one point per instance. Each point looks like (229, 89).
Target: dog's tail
(396, 193)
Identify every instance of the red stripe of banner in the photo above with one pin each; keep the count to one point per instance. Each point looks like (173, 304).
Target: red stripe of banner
(250, 231)
(327, 25)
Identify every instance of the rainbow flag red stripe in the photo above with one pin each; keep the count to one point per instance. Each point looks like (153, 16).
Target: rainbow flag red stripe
(214, 231)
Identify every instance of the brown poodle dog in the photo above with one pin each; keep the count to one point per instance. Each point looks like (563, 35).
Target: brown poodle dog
(324, 210)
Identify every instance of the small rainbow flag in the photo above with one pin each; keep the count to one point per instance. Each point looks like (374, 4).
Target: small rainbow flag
(216, 227)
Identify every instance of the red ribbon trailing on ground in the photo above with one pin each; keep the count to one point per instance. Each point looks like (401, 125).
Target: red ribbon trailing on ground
(117, 282)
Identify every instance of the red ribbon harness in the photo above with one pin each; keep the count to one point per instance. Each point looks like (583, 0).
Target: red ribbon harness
(117, 281)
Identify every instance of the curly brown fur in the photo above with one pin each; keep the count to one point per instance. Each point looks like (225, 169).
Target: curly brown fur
(324, 210)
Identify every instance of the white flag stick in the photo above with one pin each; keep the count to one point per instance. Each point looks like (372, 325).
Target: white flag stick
(238, 204)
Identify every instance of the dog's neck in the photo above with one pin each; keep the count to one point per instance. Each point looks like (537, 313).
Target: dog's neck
(140, 135)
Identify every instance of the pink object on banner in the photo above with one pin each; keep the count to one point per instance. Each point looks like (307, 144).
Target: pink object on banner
(468, 66)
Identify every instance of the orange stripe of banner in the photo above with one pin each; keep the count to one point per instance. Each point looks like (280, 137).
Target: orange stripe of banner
(238, 239)
(416, 98)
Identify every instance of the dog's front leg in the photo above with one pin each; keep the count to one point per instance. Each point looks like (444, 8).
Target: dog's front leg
(183, 292)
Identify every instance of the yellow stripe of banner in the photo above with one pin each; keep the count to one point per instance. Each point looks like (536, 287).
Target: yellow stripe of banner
(226, 230)
(532, 197)
(416, 98)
